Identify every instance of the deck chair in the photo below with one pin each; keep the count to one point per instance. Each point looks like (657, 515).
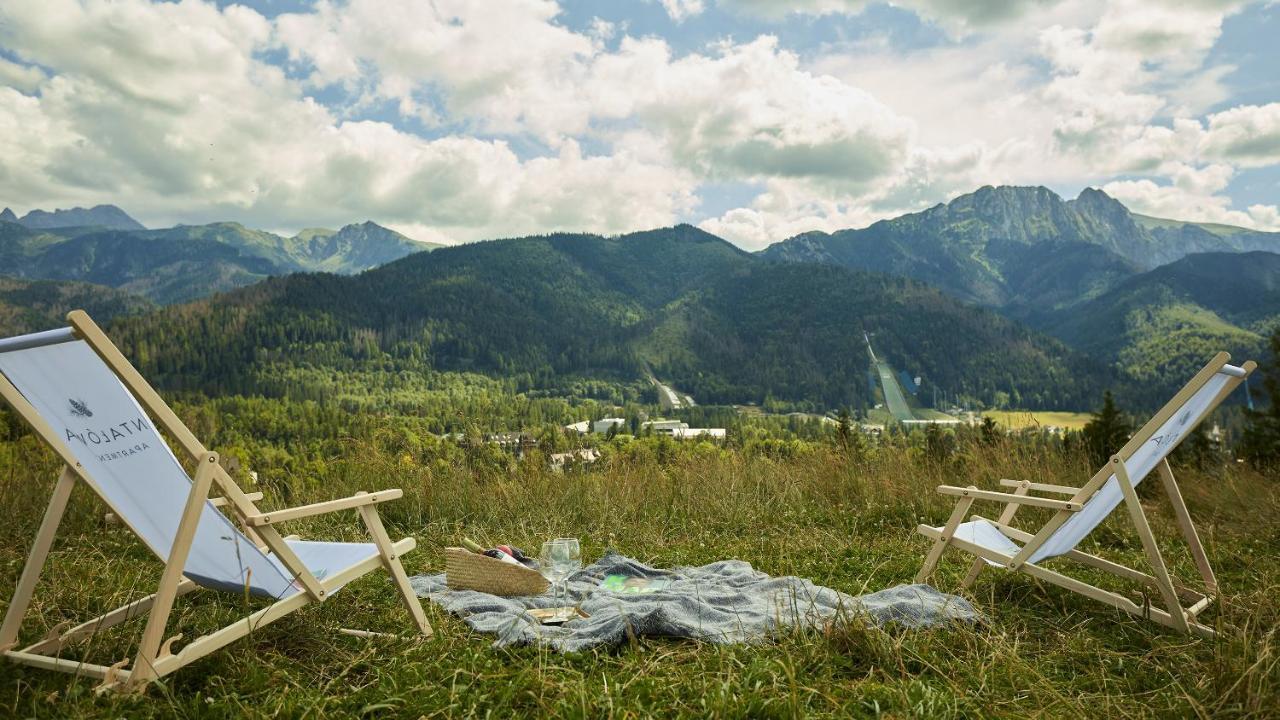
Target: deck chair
(998, 543)
(100, 416)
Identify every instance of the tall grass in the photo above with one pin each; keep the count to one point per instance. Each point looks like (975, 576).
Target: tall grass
(844, 519)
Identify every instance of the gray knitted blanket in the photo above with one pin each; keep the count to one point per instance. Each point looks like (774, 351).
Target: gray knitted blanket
(724, 602)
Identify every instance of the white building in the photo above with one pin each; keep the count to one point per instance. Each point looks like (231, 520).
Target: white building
(604, 425)
(681, 430)
(601, 426)
(708, 433)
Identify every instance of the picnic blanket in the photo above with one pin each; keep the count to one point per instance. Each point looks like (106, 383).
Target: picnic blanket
(723, 602)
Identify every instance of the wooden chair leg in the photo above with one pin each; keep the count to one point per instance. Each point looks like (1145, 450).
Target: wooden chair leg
(35, 561)
(935, 552)
(1188, 528)
(972, 575)
(1158, 569)
(149, 647)
(391, 561)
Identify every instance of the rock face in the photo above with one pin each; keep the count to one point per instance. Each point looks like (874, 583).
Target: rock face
(8, 216)
(355, 247)
(188, 261)
(108, 217)
(1021, 249)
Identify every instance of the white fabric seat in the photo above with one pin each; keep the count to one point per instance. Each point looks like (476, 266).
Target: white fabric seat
(325, 559)
(983, 533)
(1140, 463)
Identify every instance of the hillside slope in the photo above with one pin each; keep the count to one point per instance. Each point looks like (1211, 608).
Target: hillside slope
(1022, 250)
(192, 261)
(34, 305)
(717, 321)
(796, 332)
(1166, 323)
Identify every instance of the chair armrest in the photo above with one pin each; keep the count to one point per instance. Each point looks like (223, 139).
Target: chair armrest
(1008, 498)
(1042, 487)
(355, 501)
(221, 501)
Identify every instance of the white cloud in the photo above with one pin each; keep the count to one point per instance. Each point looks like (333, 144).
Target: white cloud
(738, 111)
(1123, 84)
(789, 207)
(1265, 217)
(954, 14)
(1248, 135)
(680, 9)
(750, 112)
(602, 30)
(173, 110)
(24, 78)
(1193, 195)
(214, 128)
(784, 210)
(503, 64)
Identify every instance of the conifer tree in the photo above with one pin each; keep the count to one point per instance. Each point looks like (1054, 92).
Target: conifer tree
(989, 431)
(1261, 442)
(1107, 431)
(844, 426)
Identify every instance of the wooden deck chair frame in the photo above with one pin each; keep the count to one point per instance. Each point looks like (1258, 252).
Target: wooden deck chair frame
(156, 657)
(1171, 593)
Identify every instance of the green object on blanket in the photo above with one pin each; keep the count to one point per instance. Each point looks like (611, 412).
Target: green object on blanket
(633, 585)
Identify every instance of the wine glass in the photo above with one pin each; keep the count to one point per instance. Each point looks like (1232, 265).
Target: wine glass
(570, 561)
(552, 563)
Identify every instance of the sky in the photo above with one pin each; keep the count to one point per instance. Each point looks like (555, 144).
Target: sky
(756, 120)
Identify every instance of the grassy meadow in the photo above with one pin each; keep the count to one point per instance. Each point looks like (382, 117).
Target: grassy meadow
(844, 518)
(1036, 419)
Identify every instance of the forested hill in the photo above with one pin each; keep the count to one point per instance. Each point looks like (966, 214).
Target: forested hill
(33, 305)
(1165, 323)
(1023, 250)
(540, 311)
(188, 261)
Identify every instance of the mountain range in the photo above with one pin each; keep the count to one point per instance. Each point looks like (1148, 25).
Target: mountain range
(105, 217)
(1152, 298)
(105, 246)
(1022, 250)
(724, 325)
(1059, 300)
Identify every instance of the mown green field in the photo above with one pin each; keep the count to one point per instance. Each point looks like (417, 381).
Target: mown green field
(1019, 419)
(844, 518)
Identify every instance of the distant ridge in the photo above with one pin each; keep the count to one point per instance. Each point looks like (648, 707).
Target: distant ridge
(187, 262)
(1023, 250)
(107, 217)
